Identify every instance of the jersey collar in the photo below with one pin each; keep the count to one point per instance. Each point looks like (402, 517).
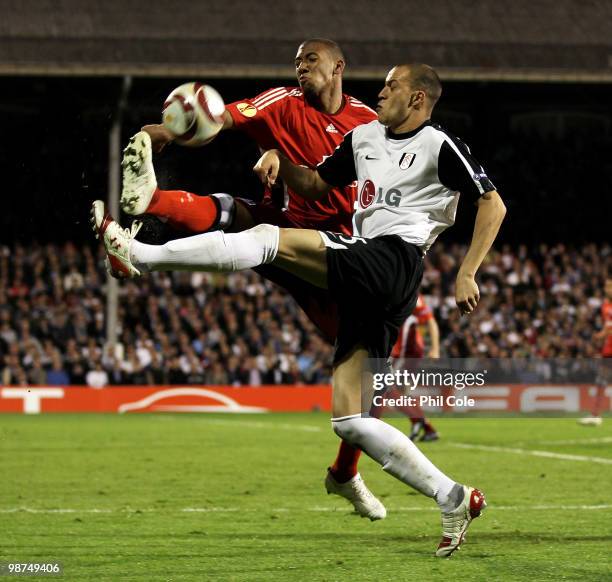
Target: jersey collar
(407, 134)
(345, 99)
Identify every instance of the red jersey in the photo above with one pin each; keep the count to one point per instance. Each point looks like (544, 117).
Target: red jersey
(282, 119)
(606, 316)
(410, 343)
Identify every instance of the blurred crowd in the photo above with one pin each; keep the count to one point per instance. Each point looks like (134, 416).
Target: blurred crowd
(542, 302)
(238, 329)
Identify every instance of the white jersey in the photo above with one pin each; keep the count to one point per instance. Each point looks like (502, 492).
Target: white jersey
(408, 184)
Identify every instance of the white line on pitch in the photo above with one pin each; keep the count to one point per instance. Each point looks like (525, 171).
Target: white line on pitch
(594, 441)
(534, 453)
(265, 425)
(287, 510)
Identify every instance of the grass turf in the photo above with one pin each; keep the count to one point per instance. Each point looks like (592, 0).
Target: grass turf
(221, 497)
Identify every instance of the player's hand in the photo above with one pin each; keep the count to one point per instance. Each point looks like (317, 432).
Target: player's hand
(160, 136)
(433, 354)
(467, 294)
(267, 167)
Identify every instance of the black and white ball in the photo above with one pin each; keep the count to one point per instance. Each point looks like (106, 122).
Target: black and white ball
(193, 112)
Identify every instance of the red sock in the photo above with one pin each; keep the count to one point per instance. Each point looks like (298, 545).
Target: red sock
(345, 465)
(184, 210)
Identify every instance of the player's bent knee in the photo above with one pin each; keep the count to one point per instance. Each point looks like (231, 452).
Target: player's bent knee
(255, 246)
(349, 428)
(219, 251)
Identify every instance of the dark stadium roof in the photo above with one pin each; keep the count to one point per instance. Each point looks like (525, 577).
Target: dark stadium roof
(523, 39)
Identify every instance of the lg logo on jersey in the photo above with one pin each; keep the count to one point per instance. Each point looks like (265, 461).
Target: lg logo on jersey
(368, 195)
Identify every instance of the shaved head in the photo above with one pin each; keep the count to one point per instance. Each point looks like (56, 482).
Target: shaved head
(408, 97)
(423, 78)
(332, 47)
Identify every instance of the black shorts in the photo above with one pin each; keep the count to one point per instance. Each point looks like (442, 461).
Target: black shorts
(375, 283)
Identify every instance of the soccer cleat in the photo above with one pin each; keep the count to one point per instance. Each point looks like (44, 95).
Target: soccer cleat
(590, 421)
(456, 522)
(139, 182)
(416, 430)
(357, 492)
(430, 436)
(116, 241)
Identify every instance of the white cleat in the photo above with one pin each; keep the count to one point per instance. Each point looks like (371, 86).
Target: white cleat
(357, 492)
(116, 241)
(139, 182)
(456, 522)
(590, 421)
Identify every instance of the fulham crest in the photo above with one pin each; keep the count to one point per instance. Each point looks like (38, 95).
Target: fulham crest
(406, 160)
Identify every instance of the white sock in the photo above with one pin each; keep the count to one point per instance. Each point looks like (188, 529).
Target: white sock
(398, 455)
(211, 251)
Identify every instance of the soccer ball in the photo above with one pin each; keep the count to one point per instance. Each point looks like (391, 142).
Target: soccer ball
(193, 112)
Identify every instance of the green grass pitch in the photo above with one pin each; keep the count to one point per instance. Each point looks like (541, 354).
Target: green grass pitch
(227, 497)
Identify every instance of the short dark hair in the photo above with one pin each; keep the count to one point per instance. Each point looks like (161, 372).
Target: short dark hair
(332, 46)
(424, 78)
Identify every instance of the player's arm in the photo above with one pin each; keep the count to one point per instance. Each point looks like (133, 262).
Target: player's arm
(460, 171)
(336, 170)
(491, 212)
(434, 338)
(161, 137)
(306, 182)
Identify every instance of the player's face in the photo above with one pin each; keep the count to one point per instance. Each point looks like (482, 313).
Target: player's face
(608, 289)
(396, 98)
(314, 68)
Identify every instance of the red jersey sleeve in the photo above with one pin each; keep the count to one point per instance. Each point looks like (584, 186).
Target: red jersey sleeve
(253, 116)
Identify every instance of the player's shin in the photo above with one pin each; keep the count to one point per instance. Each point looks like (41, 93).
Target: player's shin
(193, 213)
(399, 457)
(213, 251)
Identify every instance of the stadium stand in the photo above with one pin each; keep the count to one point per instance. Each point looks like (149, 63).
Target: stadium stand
(499, 39)
(197, 328)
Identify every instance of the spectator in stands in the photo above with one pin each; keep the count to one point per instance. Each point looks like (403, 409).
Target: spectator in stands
(57, 375)
(97, 378)
(543, 301)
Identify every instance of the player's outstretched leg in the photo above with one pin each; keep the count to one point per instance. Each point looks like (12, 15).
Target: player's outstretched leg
(183, 210)
(211, 251)
(116, 241)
